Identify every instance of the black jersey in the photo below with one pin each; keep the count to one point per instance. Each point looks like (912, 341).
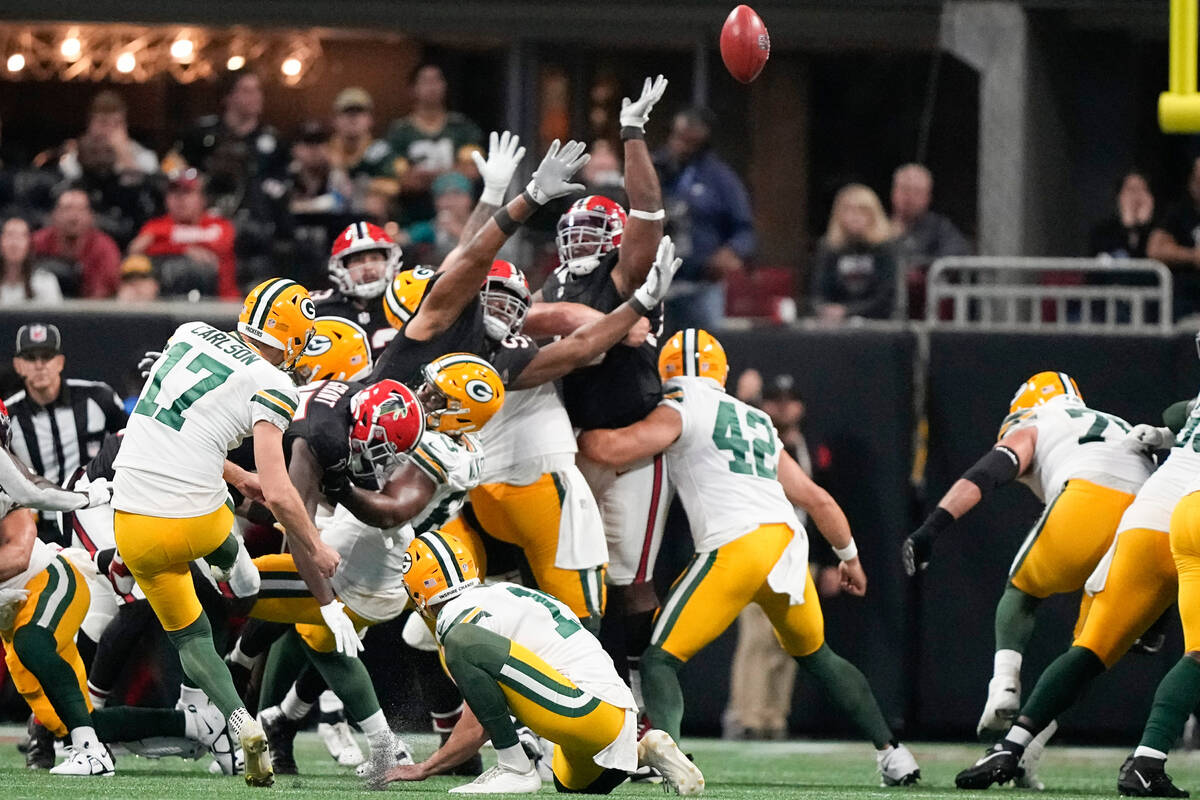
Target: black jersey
(332, 303)
(624, 387)
(102, 465)
(403, 357)
(323, 421)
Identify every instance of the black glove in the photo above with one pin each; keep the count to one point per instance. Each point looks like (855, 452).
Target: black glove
(335, 483)
(918, 547)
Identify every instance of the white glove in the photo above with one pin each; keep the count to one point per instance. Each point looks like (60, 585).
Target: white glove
(99, 493)
(558, 166)
(343, 630)
(504, 155)
(147, 362)
(658, 280)
(635, 114)
(10, 605)
(1148, 437)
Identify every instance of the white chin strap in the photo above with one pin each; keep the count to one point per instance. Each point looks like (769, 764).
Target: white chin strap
(495, 327)
(582, 265)
(369, 290)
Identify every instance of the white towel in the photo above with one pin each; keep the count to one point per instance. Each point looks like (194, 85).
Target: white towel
(790, 573)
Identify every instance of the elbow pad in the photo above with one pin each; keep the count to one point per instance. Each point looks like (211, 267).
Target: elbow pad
(997, 468)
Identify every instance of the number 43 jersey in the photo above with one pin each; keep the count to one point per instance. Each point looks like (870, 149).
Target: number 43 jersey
(724, 464)
(1074, 441)
(204, 395)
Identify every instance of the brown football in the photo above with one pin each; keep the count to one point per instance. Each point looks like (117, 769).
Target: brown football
(745, 45)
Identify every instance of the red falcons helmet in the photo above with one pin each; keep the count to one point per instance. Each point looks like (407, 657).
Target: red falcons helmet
(362, 237)
(591, 227)
(388, 422)
(5, 426)
(506, 300)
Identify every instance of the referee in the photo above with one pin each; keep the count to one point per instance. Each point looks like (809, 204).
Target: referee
(58, 424)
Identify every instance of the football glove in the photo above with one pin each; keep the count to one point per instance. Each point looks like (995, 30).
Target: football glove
(658, 280)
(916, 550)
(99, 493)
(559, 164)
(118, 574)
(1148, 437)
(10, 605)
(147, 362)
(344, 634)
(634, 114)
(504, 155)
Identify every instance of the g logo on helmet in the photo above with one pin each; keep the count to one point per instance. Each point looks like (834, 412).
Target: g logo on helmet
(479, 391)
(318, 345)
(308, 309)
(406, 563)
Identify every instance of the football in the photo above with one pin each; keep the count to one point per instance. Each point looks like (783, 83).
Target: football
(745, 45)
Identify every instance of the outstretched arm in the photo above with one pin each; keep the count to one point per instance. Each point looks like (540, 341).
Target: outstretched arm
(464, 741)
(645, 224)
(34, 491)
(497, 170)
(619, 447)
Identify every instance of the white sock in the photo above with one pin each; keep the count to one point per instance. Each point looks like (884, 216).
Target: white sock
(1007, 664)
(293, 707)
(880, 755)
(1019, 736)
(1141, 752)
(238, 720)
(98, 698)
(84, 738)
(240, 658)
(514, 758)
(375, 728)
(329, 702)
(192, 696)
(635, 683)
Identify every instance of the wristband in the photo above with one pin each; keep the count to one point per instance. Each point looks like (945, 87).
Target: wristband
(847, 553)
(638, 306)
(939, 520)
(529, 198)
(504, 221)
(492, 196)
(651, 216)
(631, 132)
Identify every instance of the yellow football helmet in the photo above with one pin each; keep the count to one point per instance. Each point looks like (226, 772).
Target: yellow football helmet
(404, 295)
(279, 313)
(338, 352)
(693, 353)
(460, 393)
(437, 567)
(1042, 388)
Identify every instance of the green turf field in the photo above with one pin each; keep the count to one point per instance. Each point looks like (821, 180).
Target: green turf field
(732, 769)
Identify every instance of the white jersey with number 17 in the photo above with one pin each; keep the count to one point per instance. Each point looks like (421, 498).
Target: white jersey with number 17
(204, 395)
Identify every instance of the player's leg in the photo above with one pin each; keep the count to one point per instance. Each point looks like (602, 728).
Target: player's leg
(1179, 691)
(701, 604)
(1139, 586)
(130, 625)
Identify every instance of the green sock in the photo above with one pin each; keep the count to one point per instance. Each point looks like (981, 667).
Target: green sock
(1015, 618)
(127, 724)
(285, 659)
(352, 680)
(848, 688)
(38, 651)
(224, 556)
(661, 693)
(201, 663)
(475, 657)
(1177, 694)
(1063, 682)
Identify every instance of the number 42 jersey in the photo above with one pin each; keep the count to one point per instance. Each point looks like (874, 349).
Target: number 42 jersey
(204, 395)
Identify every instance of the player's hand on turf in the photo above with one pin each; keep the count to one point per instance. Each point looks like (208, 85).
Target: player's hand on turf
(345, 636)
(406, 772)
(658, 280)
(854, 579)
(1149, 437)
(561, 162)
(635, 113)
(99, 493)
(916, 550)
(503, 158)
(147, 362)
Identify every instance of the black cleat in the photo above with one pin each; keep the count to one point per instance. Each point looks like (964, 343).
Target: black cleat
(997, 766)
(1143, 776)
(39, 750)
(281, 739)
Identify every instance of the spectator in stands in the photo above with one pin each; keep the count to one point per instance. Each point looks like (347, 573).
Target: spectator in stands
(1126, 233)
(429, 142)
(368, 163)
(121, 201)
(432, 240)
(922, 236)
(239, 127)
(138, 282)
(1175, 241)
(107, 118)
(85, 260)
(315, 188)
(854, 272)
(20, 281)
(193, 248)
(708, 217)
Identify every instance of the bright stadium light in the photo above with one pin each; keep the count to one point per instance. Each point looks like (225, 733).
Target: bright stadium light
(235, 63)
(126, 63)
(71, 48)
(291, 67)
(16, 62)
(183, 49)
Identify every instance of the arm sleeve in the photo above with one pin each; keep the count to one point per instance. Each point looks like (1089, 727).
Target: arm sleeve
(114, 411)
(16, 483)
(275, 405)
(673, 398)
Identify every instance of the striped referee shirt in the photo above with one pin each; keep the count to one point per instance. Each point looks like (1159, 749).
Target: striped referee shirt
(57, 439)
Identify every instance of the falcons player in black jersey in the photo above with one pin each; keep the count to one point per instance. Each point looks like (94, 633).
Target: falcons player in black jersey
(604, 255)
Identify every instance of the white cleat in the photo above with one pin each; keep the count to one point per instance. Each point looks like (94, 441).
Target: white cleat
(898, 767)
(1003, 704)
(401, 755)
(502, 780)
(86, 763)
(257, 755)
(540, 752)
(341, 744)
(658, 750)
(212, 731)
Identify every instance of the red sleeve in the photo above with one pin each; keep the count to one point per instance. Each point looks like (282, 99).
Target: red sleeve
(101, 266)
(160, 244)
(227, 285)
(43, 242)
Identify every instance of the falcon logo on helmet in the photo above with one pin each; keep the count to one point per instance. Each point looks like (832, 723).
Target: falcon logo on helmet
(439, 568)
(1042, 388)
(404, 295)
(591, 227)
(388, 422)
(506, 300)
(338, 352)
(693, 353)
(279, 313)
(460, 393)
(363, 237)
